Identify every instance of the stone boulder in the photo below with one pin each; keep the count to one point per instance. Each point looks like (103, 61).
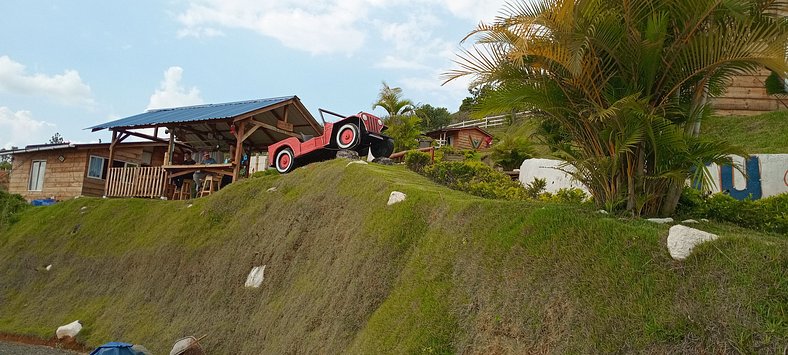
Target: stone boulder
(68, 330)
(661, 220)
(383, 161)
(348, 154)
(256, 277)
(682, 239)
(396, 197)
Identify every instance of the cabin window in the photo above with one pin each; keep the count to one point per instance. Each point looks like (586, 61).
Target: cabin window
(37, 175)
(96, 168)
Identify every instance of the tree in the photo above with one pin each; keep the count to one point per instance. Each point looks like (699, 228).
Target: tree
(623, 85)
(477, 93)
(56, 139)
(432, 118)
(390, 99)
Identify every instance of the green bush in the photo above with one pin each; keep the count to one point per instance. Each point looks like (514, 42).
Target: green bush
(10, 206)
(475, 178)
(535, 188)
(768, 214)
(564, 195)
(416, 160)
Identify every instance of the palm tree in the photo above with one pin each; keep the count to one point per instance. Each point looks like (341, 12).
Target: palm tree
(623, 85)
(390, 99)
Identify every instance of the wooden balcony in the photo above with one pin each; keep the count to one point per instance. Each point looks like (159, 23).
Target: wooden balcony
(149, 182)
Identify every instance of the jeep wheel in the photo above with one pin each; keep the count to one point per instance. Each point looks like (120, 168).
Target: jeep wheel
(382, 149)
(347, 136)
(285, 161)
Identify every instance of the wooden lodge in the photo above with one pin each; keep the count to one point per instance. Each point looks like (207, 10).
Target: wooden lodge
(62, 171)
(463, 138)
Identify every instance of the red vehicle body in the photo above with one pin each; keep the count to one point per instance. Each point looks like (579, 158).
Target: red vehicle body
(362, 133)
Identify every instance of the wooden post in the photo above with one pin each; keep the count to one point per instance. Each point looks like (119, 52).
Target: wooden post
(111, 156)
(170, 147)
(239, 146)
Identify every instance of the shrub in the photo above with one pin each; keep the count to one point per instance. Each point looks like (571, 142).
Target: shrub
(535, 188)
(475, 178)
(769, 214)
(10, 206)
(416, 160)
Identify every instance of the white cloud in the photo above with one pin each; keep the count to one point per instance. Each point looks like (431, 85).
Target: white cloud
(172, 94)
(20, 128)
(317, 27)
(66, 88)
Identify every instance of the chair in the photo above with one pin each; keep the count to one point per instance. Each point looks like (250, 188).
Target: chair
(185, 192)
(209, 185)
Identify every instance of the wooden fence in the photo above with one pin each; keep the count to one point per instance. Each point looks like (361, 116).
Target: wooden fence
(148, 182)
(490, 121)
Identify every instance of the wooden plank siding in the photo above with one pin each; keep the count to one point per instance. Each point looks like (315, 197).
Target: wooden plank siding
(747, 96)
(69, 178)
(3, 180)
(462, 139)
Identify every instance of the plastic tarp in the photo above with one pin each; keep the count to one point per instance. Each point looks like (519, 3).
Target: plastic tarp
(117, 348)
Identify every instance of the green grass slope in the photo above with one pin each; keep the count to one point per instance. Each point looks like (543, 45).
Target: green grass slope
(442, 272)
(761, 134)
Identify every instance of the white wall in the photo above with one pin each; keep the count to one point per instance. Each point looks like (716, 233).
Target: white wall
(769, 174)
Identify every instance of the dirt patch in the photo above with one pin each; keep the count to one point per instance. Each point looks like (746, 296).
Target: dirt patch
(52, 342)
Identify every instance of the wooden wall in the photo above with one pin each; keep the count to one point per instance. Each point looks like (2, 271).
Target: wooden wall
(747, 96)
(67, 179)
(62, 180)
(462, 139)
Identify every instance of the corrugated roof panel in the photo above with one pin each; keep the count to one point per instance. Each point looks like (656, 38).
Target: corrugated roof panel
(192, 113)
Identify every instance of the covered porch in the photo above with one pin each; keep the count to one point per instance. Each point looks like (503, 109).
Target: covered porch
(217, 140)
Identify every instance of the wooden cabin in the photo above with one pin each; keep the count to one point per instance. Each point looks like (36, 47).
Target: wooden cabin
(462, 138)
(63, 171)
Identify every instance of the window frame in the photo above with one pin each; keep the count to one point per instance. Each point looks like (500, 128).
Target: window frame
(102, 174)
(40, 175)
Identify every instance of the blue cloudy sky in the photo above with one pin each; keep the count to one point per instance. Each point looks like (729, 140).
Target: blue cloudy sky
(67, 65)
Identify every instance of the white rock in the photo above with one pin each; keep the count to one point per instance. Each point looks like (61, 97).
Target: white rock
(68, 330)
(189, 205)
(271, 189)
(256, 276)
(396, 197)
(602, 212)
(704, 220)
(661, 220)
(49, 267)
(182, 345)
(681, 240)
(689, 221)
(357, 162)
(83, 208)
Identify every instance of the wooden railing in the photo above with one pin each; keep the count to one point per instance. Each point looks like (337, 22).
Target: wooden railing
(490, 121)
(148, 182)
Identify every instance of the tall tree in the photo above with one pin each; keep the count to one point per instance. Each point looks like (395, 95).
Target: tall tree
(56, 139)
(390, 99)
(432, 118)
(623, 85)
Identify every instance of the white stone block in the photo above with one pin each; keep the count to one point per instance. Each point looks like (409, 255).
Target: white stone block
(68, 330)
(357, 162)
(396, 197)
(256, 276)
(682, 239)
(689, 221)
(661, 220)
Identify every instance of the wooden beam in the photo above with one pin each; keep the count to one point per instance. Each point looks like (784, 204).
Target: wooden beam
(262, 110)
(170, 148)
(272, 128)
(249, 132)
(111, 157)
(306, 115)
(285, 113)
(239, 149)
(281, 122)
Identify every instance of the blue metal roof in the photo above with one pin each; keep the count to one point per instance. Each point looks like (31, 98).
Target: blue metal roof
(192, 113)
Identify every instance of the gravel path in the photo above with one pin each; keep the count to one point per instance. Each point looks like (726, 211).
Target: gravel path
(24, 349)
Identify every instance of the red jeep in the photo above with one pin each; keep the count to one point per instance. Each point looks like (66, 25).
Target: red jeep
(361, 133)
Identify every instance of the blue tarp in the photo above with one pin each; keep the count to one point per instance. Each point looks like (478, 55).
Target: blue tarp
(116, 348)
(43, 202)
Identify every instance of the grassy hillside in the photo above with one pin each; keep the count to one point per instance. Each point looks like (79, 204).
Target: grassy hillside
(442, 272)
(761, 134)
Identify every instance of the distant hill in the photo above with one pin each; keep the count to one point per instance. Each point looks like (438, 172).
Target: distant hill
(441, 272)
